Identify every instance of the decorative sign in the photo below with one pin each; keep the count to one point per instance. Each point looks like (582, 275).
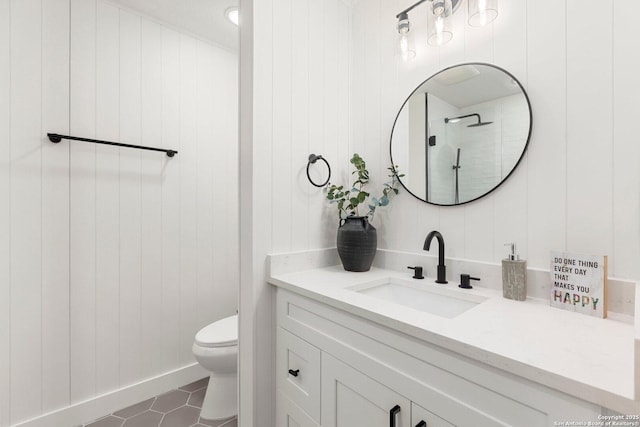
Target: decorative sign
(579, 283)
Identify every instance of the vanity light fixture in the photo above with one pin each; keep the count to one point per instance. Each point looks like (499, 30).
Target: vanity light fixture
(233, 15)
(480, 13)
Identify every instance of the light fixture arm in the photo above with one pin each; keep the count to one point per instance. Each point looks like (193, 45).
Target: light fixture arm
(454, 7)
(410, 8)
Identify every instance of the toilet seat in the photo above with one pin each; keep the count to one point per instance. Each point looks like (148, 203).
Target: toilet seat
(222, 333)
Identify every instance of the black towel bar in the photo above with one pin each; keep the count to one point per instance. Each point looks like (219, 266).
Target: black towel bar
(55, 138)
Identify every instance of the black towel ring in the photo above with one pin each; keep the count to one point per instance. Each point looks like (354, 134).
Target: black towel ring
(312, 159)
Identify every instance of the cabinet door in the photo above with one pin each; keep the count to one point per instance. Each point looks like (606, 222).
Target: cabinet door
(350, 398)
(288, 414)
(298, 372)
(429, 419)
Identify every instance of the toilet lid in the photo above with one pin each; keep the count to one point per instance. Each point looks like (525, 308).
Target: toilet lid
(222, 333)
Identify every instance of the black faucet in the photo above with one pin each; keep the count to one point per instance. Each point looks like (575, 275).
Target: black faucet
(442, 269)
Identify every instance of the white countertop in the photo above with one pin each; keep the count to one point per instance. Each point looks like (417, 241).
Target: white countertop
(589, 358)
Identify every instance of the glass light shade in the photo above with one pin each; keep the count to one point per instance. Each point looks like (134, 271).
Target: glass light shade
(438, 22)
(405, 46)
(482, 12)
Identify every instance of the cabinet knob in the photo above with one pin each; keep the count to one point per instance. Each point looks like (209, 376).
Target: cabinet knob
(422, 423)
(392, 415)
(294, 373)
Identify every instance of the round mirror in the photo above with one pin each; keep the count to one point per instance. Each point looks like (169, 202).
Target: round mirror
(461, 133)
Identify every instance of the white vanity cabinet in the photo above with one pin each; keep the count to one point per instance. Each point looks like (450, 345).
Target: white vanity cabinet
(352, 372)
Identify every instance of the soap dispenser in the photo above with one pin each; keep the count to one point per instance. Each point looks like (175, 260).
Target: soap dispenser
(514, 275)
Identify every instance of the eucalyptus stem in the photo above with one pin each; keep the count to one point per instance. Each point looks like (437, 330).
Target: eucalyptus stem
(348, 201)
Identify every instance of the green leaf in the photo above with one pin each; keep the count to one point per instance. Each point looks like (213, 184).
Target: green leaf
(348, 200)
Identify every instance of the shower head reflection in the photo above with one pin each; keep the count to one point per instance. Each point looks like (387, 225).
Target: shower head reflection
(473, 125)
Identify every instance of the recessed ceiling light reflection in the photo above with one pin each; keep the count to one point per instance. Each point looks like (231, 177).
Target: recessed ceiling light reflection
(233, 15)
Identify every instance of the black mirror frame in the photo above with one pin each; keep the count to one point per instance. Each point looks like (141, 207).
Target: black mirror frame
(526, 97)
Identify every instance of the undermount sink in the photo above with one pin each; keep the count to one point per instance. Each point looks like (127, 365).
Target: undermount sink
(430, 298)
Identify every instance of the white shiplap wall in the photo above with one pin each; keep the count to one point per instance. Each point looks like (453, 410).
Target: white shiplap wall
(296, 103)
(310, 115)
(577, 188)
(110, 259)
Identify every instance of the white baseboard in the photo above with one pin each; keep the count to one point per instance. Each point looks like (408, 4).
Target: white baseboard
(91, 409)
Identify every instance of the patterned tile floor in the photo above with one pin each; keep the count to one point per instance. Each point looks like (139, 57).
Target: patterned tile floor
(177, 408)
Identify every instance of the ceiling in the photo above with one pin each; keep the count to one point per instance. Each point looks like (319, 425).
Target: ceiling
(470, 84)
(202, 18)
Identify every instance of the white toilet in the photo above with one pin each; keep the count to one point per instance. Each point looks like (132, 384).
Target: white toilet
(216, 349)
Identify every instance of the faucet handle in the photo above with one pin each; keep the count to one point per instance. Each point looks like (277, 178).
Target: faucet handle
(417, 272)
(465, 281)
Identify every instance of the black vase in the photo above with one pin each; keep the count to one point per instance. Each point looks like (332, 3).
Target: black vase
(357, 243)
